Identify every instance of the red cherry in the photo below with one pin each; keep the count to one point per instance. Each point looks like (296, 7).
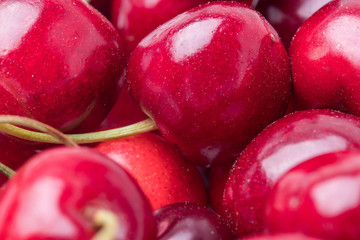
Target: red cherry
(286, 16)
(60, 62)
(325, 62)
(281, 146)
(124, 112)
(190, 221)
(283, 236)
(136, 18)
(205, 83)
(13, 153)
(158, 167)
(50, 196)
(320, 197)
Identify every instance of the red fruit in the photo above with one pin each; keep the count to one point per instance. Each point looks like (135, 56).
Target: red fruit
(158, 168)
(320, 197)
(281, 146)
(286, 16)
(190, 221)
(325, 58)
(124, 112)
(283, 236)
(60, 62)
(13, 153)
(136, 18)
(51, 195)
(205, 83)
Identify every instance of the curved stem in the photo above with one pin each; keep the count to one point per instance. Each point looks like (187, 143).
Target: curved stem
(107, 223)
(6, 170)
(7, 120)
(136, 128)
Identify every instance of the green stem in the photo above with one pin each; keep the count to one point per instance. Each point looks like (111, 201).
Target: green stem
(7, 120)
(6, 170)
(136, 128)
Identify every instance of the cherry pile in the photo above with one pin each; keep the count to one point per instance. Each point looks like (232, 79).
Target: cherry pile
(197, 119)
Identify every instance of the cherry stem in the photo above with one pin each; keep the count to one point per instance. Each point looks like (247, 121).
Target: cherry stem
(6, 170)
(6, 122)
(147, 125)
(107, 222)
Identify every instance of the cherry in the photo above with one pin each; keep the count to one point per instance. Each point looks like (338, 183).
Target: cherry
(14, 152)
(61, 62)
(283, 236)
(124, 112)
(136, 18)
(324, 57)
(205, 83)
(58, 193)
(189, 221)
(158, 167)
(281, 146)
(319, 197)
(286, 16)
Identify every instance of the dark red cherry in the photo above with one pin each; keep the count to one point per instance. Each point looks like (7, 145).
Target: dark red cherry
(189, 221)
(281, 146)
(124, 112)
(325, 58)
(158, 167)
(61, 62)
(136, 18)
(14, 153)
(205, 83)
(286, 16)
(281, 236)
(103, 6)
(320, 197)
(57, 192)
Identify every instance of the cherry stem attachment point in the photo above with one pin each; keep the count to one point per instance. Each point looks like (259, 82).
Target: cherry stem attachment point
(83, 138)
(107, 223)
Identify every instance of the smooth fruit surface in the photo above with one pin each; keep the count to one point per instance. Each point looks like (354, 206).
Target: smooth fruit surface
(284, 144)
(325, 59)
(205, 82)
(60, 62)
(286, 16)
(283, 236)
(136, 18)
(191, 222)
(124, 112)
(320, 197)
(158, 167)
(54, 195)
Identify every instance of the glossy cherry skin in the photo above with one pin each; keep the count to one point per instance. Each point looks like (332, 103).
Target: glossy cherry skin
(205, 84)
(281, 146)
(281, 236)
(159, 168)
(286, 16)
(320, 197)
(125, 112)
(324, 57)
(189, 221)
(61, 62)
(14, 153)
(50, 196)
(136, 18)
